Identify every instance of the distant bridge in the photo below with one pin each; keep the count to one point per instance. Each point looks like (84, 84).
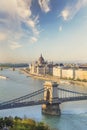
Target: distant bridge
(51, 96)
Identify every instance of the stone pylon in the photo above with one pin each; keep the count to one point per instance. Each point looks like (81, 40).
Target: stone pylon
(52, 107)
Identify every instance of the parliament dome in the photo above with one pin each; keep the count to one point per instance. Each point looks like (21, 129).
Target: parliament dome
(41, 59)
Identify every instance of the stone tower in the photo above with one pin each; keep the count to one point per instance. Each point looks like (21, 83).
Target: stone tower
(52, 107)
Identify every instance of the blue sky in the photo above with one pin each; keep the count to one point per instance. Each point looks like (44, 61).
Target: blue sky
(55, 28)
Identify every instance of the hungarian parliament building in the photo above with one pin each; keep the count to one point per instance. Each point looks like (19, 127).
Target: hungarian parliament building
(41, 67)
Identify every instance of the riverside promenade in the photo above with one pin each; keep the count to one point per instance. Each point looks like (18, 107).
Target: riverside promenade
(53, 78)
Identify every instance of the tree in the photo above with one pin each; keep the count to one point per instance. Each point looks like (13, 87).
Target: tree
(1, 122)
(8, 121)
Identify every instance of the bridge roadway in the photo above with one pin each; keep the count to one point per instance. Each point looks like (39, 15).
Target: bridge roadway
(26, 100)
(40, 102)
(22, 104)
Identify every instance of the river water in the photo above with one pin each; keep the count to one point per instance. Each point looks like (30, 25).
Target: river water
(73, 114)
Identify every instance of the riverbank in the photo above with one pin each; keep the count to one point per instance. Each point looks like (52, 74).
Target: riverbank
(55, 79)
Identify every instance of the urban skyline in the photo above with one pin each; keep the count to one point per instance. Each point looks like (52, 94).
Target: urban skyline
(57, 29)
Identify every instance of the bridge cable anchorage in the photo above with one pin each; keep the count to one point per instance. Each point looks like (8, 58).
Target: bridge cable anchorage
(23, 97)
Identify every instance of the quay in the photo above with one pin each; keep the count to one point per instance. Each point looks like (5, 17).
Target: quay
(53, 78)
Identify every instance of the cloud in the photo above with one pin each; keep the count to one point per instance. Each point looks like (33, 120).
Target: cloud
(33, 39)
(3, 36)
(23, 9)
(60, 28)
(44, 5)
(16, 17)
(33, 25)
(66, 14)
(71, 10)
(14, 45)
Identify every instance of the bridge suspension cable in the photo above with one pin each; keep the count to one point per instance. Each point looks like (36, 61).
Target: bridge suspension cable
(23, 97)
(65, 95)
(65, 90)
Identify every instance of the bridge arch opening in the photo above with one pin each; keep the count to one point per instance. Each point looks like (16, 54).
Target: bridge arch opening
(48, 95)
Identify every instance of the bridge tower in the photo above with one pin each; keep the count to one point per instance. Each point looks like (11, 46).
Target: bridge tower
(52, 107)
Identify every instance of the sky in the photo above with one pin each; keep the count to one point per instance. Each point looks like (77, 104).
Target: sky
(57, 29)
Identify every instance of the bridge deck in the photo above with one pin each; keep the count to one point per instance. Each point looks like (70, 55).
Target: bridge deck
(22, 102)
(40, 102)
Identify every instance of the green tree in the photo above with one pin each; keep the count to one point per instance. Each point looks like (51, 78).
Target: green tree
(1, 122)
(8, 121)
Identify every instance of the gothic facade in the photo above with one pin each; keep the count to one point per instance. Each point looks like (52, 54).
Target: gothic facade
(41, 67)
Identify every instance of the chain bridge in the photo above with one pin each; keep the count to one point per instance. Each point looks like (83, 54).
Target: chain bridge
(50, 97)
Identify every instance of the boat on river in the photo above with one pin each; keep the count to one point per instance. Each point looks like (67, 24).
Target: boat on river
(2, 77)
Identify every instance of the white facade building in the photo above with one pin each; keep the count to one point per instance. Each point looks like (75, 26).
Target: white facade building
(57, 71)
(61, 72)
(68, 73)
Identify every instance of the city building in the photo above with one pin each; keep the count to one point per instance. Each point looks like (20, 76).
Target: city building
(41, 67)
(57, 71)
(68, 73)
(81, 74)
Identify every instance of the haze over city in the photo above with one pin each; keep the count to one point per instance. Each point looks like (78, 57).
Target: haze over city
(55, 28)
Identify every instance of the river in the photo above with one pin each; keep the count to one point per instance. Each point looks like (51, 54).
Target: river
(74, 114)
